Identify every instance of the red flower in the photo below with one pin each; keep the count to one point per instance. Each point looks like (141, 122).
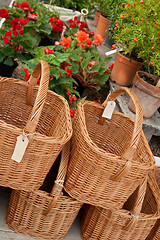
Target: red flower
(91, 63)
(82, 26)
(18, 27)
(32, 17)
(73, 23)
(68, 92)
(69, 72)
(27, 75)
(132, 19)
(107, 71)
(21, 32)
(48, 51)
(152, 47)
(25, 6)
(91, 33)
(135, 40)
(152, 38)
(8, 34)
(5, 39)
(98, 39)
(81, 45)
(120, 60)
(66, 42)
(4, 13)
(81, 36)
(89, 42)
(114, 46)
(52, 21)
(64, 65)
(14, 23)
(23, 21)
(92, 4)
(142, 1)
(158, 33)
(111, 67)
(126, 6)
(151, 63)
(15, 4)
(15, 33)
(38, 82)
(72, 112)
(156, 23)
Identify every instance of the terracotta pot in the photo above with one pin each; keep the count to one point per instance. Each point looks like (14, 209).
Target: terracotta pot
(96, 18)
(103, 25)
(149, 95)
(124, 70)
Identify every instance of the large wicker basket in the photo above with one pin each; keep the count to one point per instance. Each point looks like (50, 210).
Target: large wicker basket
(155, 232)
(109, 158)
(133, 222)
(47, 124)
(41, 214)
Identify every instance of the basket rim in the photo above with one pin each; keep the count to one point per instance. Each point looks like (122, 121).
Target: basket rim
(80, 111)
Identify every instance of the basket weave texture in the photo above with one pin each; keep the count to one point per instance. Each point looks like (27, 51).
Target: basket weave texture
(133, 222)
(109, 158)
(48, 124)
(155, 232)
(44, 215)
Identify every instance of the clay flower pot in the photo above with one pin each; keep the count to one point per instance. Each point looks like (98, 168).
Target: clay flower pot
(149, 95)
(124, 70)
(103, 25)
(96, 18)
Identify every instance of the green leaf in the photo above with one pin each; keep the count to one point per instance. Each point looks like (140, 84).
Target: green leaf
(1, 58)
(9, 61)
(102, 79)
(54, 72)
(75, 57)
(61, 57)
(75, 67)
(84, 63)
(95, 68)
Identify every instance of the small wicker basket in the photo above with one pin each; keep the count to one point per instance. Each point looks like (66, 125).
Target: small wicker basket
(109, 158)
(133, 222)
(155, 232)
(41, 214)
(47, 124)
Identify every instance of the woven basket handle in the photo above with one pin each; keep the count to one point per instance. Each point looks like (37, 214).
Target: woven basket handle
(136, 131)
(41, 69)
(58, 185)
(136, 210)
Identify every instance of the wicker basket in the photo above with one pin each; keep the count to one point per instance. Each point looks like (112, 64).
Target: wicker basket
(47, 124)
(41, 214)
(133, 222)
(155, 232)
(109, 158)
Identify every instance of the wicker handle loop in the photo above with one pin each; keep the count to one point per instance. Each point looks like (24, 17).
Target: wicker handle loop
(42, 68)
(58, 186)
(136, 131)
(135, 212)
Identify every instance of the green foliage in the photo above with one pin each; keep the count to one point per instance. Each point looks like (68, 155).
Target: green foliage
(138, 31)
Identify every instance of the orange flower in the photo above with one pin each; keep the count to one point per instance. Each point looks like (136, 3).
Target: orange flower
(81, 45)
(98, 39)
(81, 36)
(66, 42)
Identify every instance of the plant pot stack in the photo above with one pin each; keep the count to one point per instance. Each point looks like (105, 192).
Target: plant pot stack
(110, 160)
(101, 23)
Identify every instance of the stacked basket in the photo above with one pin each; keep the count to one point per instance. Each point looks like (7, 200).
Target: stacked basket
(109, 161)
(31, 139)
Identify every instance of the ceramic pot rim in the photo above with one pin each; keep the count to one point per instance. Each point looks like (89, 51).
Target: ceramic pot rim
(128, 60)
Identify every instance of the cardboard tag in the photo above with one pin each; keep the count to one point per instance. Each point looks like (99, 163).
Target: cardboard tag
(108, 111)
(20, 148)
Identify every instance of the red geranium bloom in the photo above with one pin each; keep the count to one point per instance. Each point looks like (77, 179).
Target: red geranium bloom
(68, 92)
(18, 27)
(98, 39)
(73, 23)
(69, 72)
(5, 39)
(25, 6)
(32, 17)
(58, 28)
(82, 26)
(8, 33)
(135, 40)
(4, 13)
(21, 32)
(107, 71)
(66, 42)
(48, 51)
(81, 45)
(14, 23)
(89, 42)
(81, 36)
(72, 112)
(23, 21)
(111, 67)
(91, 63)
(64, 65)
(52, 21)
(27, 76)
(15, 33)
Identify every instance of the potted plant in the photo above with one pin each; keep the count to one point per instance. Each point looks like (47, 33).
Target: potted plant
(109, 10)
(24, 26)
(137, 32)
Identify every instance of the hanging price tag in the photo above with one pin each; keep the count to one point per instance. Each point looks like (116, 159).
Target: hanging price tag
(108, 111)
(20, 148)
